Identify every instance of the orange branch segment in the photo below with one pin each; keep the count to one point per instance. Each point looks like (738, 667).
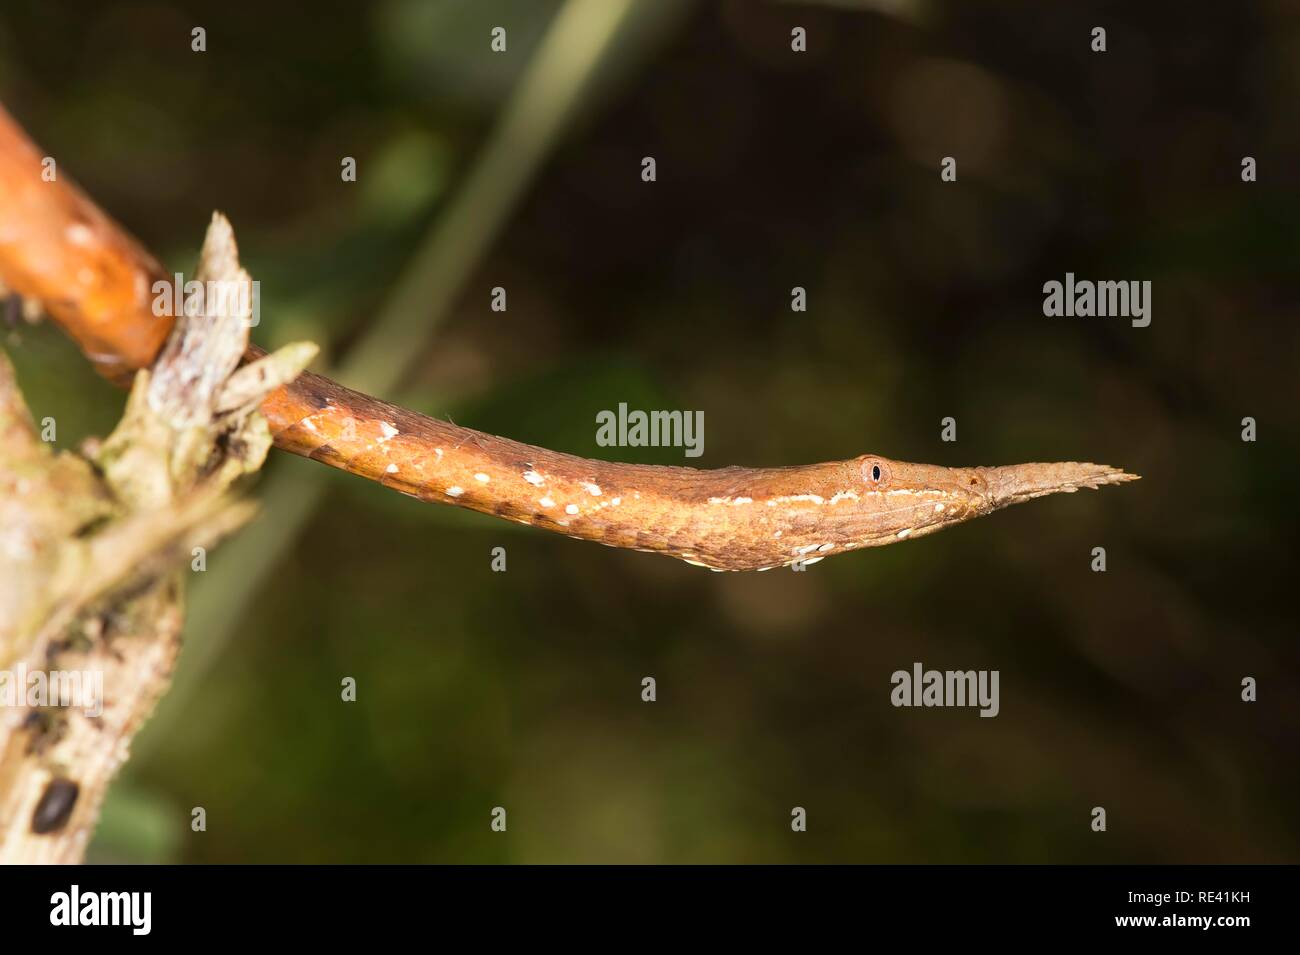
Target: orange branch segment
(57, 247)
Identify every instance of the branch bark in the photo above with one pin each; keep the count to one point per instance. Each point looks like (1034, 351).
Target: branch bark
(90, 598)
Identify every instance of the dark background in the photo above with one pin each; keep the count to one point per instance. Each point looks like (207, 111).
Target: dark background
(775, 169)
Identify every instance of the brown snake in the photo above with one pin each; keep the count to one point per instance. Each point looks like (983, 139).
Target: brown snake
(732, 518)
(58, 248)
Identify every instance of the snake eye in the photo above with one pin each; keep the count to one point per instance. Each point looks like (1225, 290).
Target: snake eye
(875, 471)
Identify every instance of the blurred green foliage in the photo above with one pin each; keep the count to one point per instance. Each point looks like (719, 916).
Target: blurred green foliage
(522, 689)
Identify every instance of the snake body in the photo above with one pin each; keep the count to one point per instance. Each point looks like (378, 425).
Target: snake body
(58, 248)
(733, 518)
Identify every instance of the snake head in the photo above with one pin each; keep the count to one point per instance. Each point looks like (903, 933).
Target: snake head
(901, 500)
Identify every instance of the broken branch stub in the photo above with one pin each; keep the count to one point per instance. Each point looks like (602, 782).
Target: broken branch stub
(90, 594)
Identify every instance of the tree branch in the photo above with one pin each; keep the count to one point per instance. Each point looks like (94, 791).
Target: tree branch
(90, 598)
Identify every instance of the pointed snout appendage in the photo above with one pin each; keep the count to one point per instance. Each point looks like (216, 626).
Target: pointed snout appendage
(1024, 482)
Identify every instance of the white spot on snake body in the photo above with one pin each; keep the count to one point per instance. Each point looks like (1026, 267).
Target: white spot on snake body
(438, 452)
(391, 469)
(938, 508)
(79, 234)
(388, 430)
(533, 478)
(617, 501)
(481, 478)
(844, 496)
(455, 491)
(571, 509)
(904, 532)
(592, 489)
(546, 502)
